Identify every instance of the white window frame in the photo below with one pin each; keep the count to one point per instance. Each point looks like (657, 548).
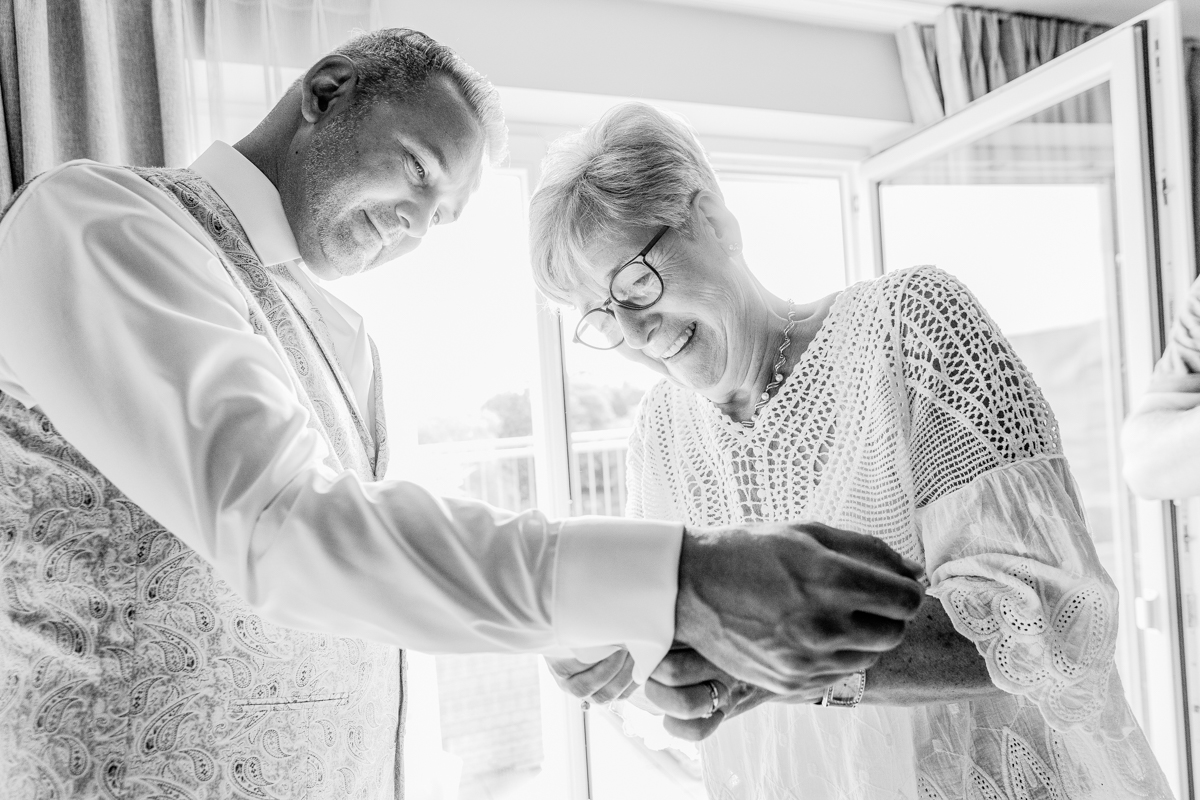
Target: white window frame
(1155, 264)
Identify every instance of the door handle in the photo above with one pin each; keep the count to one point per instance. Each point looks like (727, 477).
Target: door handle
(1147, 611)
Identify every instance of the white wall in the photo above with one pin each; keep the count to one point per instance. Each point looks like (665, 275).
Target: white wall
(632, 49)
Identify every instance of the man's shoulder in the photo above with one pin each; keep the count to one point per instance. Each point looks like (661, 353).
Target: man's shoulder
(79, 188)
(80, 172)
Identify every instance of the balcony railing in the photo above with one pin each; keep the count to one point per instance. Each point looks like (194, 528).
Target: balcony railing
(501, 471)
(490, 714)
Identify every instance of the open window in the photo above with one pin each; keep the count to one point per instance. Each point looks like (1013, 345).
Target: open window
(1048, 197)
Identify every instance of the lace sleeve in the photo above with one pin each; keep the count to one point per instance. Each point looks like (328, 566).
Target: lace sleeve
(1006, 544)
(973, 405)
(1012, 562)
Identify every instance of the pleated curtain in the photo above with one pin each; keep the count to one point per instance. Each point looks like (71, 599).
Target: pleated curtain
(969, 52)
(150, 82)
(98, 79)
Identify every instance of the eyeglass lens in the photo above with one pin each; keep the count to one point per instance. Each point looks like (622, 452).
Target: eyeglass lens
(637, 285)
(599, 329)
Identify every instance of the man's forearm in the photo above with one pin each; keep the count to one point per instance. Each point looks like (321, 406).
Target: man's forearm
(1161, 460)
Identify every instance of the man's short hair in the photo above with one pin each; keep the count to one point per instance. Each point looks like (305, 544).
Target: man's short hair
(636, 166)
(397, 63)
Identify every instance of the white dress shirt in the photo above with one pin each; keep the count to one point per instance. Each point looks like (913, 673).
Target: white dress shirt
(119, 322)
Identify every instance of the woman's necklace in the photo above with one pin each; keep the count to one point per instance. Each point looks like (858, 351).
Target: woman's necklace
(777, 376)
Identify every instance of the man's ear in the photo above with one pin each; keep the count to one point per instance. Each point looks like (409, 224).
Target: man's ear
(328, 87)
(715, 219)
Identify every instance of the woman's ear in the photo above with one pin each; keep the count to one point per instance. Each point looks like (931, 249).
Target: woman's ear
(716, 220)
(327, 87)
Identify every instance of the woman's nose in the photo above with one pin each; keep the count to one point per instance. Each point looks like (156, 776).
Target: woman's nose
(638, 326)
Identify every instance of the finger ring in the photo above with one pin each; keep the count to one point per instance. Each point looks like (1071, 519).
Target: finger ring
(714, 695)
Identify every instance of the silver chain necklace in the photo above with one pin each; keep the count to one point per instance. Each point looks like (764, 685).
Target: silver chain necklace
(777, 376)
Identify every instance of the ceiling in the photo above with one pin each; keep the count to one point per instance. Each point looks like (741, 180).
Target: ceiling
(888, 15)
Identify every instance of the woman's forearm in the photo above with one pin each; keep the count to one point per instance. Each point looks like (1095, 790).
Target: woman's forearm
(934, 664)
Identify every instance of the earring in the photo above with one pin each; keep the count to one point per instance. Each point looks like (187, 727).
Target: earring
(734, 247)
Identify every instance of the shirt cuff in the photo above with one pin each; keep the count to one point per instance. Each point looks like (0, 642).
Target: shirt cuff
(615, 584)
(1174, 381)
(1165, 398)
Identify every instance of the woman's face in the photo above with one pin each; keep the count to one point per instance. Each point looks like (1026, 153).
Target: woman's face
(704, 331)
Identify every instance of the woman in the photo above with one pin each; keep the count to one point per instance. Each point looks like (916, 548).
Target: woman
(896, 409)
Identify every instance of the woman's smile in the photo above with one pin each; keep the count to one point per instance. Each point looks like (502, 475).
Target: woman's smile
(680, 342)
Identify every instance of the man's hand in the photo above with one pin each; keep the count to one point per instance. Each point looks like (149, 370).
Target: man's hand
(792, 607)
(601, 682)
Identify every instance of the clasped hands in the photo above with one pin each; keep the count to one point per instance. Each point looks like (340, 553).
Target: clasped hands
(773, 612)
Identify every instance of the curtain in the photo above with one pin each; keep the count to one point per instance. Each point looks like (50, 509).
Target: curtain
(150, 82)
(968, 52)
(244, 54)
(99, 79)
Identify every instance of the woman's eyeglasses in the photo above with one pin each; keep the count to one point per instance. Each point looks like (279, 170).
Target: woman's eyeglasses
(636, 286)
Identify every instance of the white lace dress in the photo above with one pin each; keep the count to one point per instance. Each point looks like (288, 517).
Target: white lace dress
(910, 418)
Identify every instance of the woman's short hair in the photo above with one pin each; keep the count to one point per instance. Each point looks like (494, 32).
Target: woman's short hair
(397, 63)
(636, 166)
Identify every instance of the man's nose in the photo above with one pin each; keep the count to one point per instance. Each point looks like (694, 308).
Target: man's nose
(638, 326)
(419, 216)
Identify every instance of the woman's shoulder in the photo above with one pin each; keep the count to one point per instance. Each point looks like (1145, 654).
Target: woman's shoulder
(916, 297)
(911, 281)
(667, 405)
(661, 398)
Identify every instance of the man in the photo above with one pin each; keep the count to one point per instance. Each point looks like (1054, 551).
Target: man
(1161, 439)
(191, 438)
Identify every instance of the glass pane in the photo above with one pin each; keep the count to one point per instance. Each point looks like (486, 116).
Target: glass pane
(1024, 217)
(791, 233)
(229, 99)
(792, 239)
(455, 326)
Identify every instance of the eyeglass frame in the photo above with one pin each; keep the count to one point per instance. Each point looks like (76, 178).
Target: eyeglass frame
(604, 307)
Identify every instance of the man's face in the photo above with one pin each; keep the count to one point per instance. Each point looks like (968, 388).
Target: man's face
(375, 181)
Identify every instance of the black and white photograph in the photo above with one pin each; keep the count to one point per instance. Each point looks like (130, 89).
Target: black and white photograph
(599, 400)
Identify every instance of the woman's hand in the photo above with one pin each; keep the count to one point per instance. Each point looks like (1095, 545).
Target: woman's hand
(683, 687)
(601, 682)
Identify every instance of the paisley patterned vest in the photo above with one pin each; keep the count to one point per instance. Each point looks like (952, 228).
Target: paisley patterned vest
(128, 669)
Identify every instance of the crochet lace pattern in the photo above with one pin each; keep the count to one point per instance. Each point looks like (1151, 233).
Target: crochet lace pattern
(909, 418)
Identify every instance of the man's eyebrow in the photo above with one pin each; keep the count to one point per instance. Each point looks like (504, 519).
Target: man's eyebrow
(432, 149)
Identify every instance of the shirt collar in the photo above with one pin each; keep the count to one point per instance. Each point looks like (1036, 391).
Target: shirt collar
(252, 198)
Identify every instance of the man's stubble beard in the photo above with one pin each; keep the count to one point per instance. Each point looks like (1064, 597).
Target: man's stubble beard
(327, 195)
